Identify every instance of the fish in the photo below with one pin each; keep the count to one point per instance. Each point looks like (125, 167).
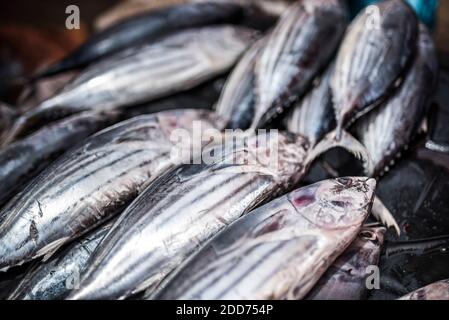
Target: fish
(434, 291)
(388, 130)
(91, 183)
(294, 55)
(313, 116)
(22, 160)
(185, 207)
(126, 9)
(376, 50)
(346, 277)
(141, 74)
(280, 250)
(237, 100)
(143, 28)
(130, 8)
(52, 279)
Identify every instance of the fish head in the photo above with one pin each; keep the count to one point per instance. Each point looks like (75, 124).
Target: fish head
(282, 153)
(189, 119)
(336, 203)
(189, 129)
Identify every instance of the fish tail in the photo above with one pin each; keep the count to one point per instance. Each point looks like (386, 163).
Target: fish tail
(381, 213)
(345, 141)
(339, 131)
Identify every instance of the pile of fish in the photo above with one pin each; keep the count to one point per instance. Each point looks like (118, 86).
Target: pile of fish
(111, 188)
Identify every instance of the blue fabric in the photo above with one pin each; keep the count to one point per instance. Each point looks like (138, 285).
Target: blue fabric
(425, 9)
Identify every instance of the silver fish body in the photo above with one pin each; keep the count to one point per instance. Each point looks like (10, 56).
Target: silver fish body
(52, 279)
(144, 27)
(387, 130)
(178, 212)
(238, 98)
(24, 159)
(435, 291)
(89, 184)
(176, 63)
(313, 116)
(375, 52)
(280, 250)
(294, 54)
(346, 277)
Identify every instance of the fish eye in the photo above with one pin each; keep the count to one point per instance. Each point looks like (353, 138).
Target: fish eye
(338, 203)
(369, 236)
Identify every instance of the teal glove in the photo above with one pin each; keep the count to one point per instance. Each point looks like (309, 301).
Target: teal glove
(425, 9)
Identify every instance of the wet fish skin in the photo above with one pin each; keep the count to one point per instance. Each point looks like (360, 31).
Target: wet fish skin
(146, 27)
(89, 184)
(375, 52)
(24, 159)
(141, 74)
(237, 101)
(345, 279)
(50, 280)
(179, 211)
(435, 291)
(294, 55)
(280, 250)
(386, 131)
(313, 116)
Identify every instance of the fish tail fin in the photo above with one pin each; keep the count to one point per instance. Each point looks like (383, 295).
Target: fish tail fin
(381, 213)
(345, 141)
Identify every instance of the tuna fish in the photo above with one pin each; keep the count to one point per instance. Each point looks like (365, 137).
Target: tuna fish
(53, 279)
(185, 207)
(346, 277)
(237, 101)
(294, 55)
(375, 53)
(435, 291)
(280, 250)
(89, 184)
(386, 131)
(313, 116)
(146, 27)
(24, 159)
(141, 74)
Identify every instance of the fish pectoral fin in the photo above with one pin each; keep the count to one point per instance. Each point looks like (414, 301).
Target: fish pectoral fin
(49, 250)
(381, 212)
